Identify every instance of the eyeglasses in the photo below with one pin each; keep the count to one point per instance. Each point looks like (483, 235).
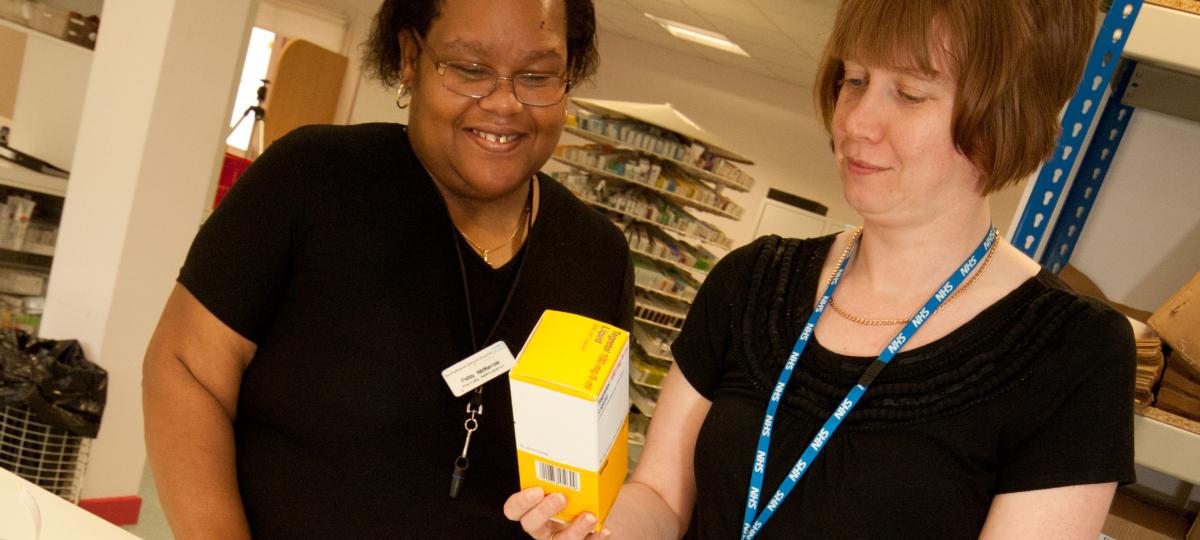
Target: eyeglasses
(479, 81)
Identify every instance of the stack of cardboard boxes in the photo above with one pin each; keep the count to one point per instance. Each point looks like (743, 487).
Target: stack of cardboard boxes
(1149, 363)
(1178, 324)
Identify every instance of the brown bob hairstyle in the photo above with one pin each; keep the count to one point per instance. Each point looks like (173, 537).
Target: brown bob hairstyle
(1014, 63)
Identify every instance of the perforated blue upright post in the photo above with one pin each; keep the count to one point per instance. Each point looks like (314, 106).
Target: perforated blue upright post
(1031, 229)
(1092, 172)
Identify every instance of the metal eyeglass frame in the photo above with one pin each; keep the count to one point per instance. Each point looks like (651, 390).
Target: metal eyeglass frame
(441, 66)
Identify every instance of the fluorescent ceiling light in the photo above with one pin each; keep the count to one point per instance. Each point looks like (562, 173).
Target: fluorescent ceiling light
(704, 37)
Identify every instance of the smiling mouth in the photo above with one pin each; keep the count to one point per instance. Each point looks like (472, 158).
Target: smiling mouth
(493, 137)
(862, 166)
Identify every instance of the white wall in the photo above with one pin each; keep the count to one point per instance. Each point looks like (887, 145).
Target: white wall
(149, 145)
(1142, 240)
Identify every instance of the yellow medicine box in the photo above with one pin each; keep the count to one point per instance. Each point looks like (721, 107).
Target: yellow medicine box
(570, 397)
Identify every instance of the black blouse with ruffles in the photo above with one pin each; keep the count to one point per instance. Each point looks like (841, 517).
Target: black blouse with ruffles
(1035, 392)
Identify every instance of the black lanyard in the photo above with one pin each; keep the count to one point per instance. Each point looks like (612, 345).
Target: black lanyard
(475, 405)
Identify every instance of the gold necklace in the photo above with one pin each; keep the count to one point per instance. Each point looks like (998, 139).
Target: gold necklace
(487, 252)
(893, 322)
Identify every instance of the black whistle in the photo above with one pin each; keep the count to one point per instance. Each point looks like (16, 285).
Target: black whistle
(458, 477)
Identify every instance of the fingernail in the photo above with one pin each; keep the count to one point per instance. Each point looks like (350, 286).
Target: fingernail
(589, 519)
(606, 532)
(559, 499)
(536, 493)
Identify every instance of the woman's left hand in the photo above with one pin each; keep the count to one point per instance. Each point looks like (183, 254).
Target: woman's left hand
(533, 508)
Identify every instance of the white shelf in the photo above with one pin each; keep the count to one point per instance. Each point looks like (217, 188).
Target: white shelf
(1166, 448)
(686, 167)
(1166, 37)
(660, 358)
(670, 195)
(665, 294)
(669, 228)
(646, 404)
(17, 176)
(666, 312)
(645, 385)
(648, 322)
(676, 264)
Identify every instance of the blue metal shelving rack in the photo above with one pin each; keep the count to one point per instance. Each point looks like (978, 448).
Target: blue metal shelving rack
(1039, 223)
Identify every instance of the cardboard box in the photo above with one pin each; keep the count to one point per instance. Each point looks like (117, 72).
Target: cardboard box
(1180, 389)
(1080, 283)
(570, 397)
(1178, 322)
(1131, 519)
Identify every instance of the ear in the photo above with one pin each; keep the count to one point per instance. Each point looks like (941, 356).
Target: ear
(410, 55)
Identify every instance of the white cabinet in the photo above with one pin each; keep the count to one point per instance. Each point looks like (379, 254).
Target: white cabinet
(49, 99)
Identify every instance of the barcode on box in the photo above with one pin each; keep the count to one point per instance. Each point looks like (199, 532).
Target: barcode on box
(557, 475)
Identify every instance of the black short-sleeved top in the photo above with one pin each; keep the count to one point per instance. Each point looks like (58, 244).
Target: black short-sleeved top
(1035, 392)
(335, 254)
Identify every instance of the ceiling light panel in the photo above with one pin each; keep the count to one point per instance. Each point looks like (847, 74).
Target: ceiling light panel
(700, 36)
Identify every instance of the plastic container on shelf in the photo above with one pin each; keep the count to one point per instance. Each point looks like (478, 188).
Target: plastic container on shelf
(40, 238)
(49, 19)
(18, 11)
(15, 214)
(21, 282)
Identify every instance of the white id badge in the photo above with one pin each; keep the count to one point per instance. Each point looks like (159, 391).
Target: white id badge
(483, 366)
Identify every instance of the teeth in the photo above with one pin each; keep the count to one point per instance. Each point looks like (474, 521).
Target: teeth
(502, 139)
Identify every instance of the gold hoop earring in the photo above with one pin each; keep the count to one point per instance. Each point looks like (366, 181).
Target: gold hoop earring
(401, 93)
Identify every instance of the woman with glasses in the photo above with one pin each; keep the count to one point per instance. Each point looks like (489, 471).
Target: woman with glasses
(917, 378)
(295, 386)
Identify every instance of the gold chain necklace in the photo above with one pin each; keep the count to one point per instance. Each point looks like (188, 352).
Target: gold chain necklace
(893, 322)
(487, 252)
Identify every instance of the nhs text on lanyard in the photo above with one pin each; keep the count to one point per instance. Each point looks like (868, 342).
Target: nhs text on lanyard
(753, 521)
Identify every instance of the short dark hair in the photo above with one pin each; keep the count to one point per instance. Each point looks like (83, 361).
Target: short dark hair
(1015, 62)
(382, 56)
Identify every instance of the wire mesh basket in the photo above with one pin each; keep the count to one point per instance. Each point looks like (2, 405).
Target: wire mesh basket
(50, 457)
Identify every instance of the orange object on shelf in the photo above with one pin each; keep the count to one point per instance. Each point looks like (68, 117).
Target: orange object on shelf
(231, 170)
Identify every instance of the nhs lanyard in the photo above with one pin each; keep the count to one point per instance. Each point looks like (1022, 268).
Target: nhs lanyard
(753, 521)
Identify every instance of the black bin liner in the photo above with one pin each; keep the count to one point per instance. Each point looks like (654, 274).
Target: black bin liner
(53, 380)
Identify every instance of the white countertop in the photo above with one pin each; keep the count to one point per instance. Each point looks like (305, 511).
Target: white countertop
(60, 520)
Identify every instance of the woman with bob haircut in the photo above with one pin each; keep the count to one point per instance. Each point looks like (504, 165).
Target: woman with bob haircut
(917, 377)
(293, 388)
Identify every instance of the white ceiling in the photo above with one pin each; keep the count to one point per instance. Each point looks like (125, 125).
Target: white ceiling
(784, 37)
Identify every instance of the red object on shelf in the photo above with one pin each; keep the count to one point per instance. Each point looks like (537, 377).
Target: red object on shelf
(231, 170)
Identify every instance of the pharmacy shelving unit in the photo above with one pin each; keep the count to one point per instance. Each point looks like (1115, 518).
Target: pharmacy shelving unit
(25, 266)
(1057, 204)
(652, 171)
